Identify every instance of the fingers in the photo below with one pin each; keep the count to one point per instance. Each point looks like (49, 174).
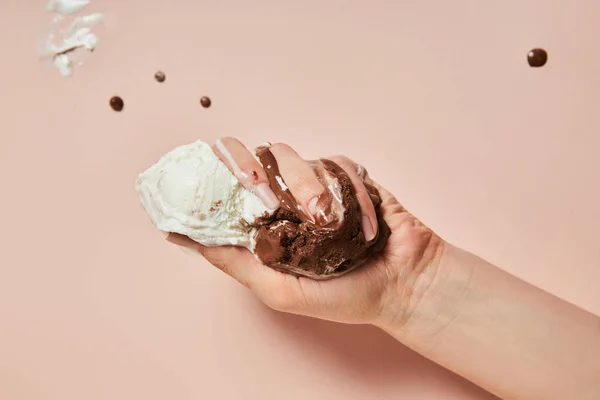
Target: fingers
(277, 290)
(244, 166)
(299, 177)
(387, 198)
(236, 262)
(369, 218)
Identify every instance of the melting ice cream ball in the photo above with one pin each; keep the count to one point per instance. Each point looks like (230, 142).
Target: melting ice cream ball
(191, 192)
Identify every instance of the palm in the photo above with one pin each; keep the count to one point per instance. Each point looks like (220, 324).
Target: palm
(358, 296)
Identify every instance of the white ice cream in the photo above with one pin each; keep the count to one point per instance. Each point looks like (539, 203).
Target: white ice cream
(191, 192)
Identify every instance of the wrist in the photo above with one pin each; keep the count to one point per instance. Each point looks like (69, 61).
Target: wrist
(423, 306)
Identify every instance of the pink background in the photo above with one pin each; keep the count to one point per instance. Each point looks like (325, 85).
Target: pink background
(434, 97)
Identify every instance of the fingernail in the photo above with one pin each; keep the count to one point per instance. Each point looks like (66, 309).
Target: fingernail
(368, 229)
(264, 192)
(312, 205)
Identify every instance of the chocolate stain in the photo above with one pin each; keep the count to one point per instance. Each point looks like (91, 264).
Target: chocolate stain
(537, 58)
(116, 103)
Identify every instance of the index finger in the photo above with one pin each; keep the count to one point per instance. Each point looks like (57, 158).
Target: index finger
(237, 262)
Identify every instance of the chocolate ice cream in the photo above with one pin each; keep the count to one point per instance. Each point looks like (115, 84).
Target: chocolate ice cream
(327, 245)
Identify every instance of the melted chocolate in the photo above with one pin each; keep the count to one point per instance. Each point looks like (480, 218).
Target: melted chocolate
(323, 246)
(324, 216)
(537, 58)
(116, 103)
(205, 102)
(160, 76)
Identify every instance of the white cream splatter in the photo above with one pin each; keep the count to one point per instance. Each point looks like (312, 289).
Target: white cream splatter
(66, 7)
(59, 45)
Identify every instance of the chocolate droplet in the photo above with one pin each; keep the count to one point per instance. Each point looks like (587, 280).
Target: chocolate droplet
(205, 102)
(116, 103)
(160, 76)
(537, 58)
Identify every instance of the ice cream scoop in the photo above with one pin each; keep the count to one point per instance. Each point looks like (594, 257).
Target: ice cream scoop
(191, 192)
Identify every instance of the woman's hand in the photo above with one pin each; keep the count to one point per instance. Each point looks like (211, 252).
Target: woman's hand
(379, 292)
(503, 334)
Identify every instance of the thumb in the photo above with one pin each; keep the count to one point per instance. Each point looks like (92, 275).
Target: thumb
(236, 262)
(387, 198)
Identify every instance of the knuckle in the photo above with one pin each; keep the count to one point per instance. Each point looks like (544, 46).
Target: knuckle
(349, 161)
(226, 139)
(221, 264)
(280, 147)
(349, 165)
(371, 182)
(280, 299)
(306, 186)
(299, 180)
(342, 160)
(216, 257)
